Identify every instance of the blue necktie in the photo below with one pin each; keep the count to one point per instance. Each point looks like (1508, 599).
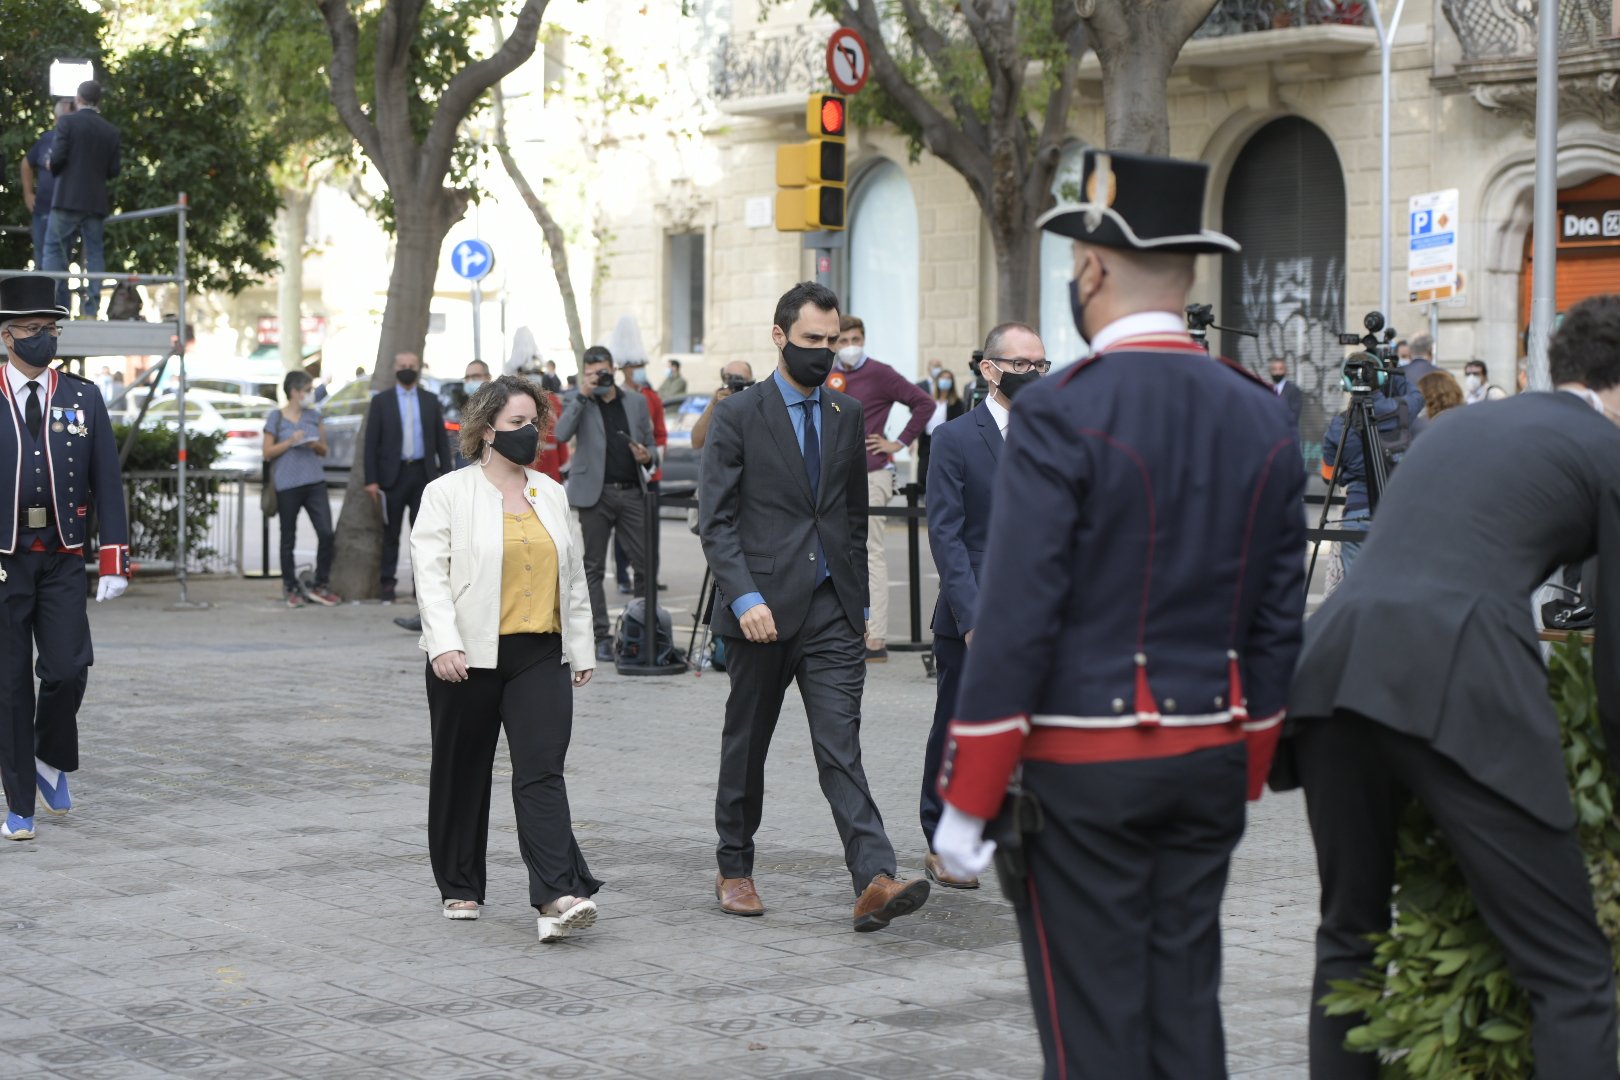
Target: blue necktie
(812, 449)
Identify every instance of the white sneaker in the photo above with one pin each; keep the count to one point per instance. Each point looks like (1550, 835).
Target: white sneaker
(572, 914)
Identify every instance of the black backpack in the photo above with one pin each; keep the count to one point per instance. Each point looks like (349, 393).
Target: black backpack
(630, 636)
(1395, 447)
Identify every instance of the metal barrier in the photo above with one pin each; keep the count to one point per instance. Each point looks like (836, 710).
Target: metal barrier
(217, 509)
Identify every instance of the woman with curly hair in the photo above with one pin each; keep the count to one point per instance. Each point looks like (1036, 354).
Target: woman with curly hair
(1440, 393)
(506, 625)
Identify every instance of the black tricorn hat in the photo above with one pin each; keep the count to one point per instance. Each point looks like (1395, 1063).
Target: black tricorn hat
(24, 296)
(1139, 203)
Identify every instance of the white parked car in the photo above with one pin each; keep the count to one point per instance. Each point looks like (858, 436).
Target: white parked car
(240, 417)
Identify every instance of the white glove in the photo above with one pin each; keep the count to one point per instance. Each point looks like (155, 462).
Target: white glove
(111, 587)
(960, 844)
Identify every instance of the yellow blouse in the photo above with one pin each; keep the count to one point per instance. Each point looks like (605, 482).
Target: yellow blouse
(528, 577)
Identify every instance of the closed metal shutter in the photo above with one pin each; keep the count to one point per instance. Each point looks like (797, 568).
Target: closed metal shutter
(1285, 204)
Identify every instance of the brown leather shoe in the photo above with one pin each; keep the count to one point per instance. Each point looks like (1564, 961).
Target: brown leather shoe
(934, 867)
(887, 899)
(737, 896)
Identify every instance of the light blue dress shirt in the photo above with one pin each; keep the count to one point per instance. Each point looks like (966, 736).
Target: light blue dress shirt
(793, 399)
(410, 416)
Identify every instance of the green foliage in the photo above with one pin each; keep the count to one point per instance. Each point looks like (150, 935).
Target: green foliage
(36, 32)
(953, 75)
(187, 127)
(1440, 1002)
(153, 525)
(276, 51)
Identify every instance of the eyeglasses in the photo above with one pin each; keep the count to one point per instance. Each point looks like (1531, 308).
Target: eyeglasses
(19, 331)
(1018, 365)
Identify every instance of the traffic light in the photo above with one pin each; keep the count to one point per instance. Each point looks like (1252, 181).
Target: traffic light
(811, 175)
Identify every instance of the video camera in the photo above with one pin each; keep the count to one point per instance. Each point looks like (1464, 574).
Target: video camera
(1368, 370)
(737, 383)
(1201, 319)
(981, 385)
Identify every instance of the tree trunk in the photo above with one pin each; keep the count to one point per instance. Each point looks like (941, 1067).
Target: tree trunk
(419, 239)
(1018, 268)
(558, 245)
(292, 224)
(1136, 93)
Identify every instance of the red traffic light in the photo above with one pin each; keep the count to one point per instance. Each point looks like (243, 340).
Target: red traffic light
(832, 116)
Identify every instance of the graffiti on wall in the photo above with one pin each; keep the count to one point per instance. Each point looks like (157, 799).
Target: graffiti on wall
(1295, 304)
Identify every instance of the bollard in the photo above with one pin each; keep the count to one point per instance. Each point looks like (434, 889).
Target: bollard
(913, 492)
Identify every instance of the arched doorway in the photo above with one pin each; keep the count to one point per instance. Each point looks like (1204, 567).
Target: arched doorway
(883, 261)
(1058, 334)
(1285, 203)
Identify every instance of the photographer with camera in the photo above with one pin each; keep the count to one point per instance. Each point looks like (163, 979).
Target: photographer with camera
(613, 435)
(734, 377)
(1396, 405)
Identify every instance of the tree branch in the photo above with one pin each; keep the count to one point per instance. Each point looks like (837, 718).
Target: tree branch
(472, 81)
(345, 35)
(555, 240)
(396, 29)
(944, 139)
(934, 46)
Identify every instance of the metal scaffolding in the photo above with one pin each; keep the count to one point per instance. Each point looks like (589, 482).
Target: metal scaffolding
(138, 337)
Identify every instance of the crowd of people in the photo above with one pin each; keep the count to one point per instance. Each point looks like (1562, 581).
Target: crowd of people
(1122, 651)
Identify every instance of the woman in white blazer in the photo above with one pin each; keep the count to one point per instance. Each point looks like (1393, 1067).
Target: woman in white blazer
(506, 616)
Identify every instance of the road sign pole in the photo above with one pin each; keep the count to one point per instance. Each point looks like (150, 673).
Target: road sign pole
(478, 320)
(1544, 217)
(823, 244)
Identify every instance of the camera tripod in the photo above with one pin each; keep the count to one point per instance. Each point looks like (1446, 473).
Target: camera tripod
(1362, 418)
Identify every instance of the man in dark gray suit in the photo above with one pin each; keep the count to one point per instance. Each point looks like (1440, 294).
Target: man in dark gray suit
(84, 156)
(1293, 398)
(614, 440)
(782, 502)
(1421, 677)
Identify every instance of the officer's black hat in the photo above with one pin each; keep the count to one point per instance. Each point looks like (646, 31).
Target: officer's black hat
(21, 297)
(1139, 203)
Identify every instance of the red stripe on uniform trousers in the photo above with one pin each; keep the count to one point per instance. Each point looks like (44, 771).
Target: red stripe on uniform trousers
(1046, 974)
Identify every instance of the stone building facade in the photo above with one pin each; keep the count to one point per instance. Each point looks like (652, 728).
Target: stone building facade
(1280, 97)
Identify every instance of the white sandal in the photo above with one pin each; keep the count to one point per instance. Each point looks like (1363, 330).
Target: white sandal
(453, 910)
(572, 913)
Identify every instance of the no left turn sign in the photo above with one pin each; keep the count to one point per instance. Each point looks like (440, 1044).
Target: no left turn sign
(848, 63)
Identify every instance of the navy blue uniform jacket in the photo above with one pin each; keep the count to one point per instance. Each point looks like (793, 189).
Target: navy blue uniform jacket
(78, 465)
(1144, 583)
(961, 479)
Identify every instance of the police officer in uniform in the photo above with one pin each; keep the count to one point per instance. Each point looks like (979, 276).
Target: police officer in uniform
(1146, 558)
(57, 460)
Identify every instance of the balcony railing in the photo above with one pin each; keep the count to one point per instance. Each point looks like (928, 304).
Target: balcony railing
(1252, 16)
(1506, 29)
(767, 64)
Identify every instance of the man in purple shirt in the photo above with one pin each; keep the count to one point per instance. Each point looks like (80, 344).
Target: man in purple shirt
(878, 387)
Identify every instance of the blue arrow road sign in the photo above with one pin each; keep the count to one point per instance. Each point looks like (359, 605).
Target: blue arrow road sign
(472, 259)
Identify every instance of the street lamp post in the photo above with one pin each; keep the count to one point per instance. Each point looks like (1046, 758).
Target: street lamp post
(1386, 44)
(1543, 279)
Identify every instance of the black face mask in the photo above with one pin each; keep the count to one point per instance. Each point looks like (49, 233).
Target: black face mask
(1077, 309)
(518, 445)
(809, 367)
(1277, 378)
(1011, 384)
(406, 376)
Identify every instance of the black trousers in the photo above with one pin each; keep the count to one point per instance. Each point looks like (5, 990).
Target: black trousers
(310, 498)
(621, 557)
(622, 511)
(827, 658)
(42, 604)
(406, 494)
(529, 692)
(950, 659)
(1527, 878)
(1122, 934)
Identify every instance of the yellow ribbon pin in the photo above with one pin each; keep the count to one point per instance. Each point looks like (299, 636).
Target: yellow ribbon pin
(533, 493)
(836, 409)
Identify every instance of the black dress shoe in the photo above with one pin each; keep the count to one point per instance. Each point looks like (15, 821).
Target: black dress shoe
(604, 651)
(413, 624)
(387, 596)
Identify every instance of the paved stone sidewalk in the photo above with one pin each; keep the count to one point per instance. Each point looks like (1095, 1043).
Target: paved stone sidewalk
(243, 889)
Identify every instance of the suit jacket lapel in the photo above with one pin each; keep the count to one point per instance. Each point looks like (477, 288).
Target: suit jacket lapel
(989, 432)
(832, 429)
(781, 429)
